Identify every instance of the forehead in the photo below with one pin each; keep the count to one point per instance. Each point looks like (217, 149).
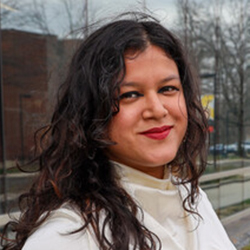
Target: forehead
(155, 55)
(152, 62)
(133, 53)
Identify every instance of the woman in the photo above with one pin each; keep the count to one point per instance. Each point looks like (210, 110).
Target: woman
(118, 169)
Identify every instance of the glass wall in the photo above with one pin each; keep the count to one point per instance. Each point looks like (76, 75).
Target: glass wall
(37, 41)
(33, 59)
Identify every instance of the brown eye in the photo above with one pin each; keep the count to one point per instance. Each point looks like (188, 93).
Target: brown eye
(131, 94)
(168, 89)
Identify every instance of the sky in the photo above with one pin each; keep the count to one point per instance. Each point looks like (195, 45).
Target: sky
(57, 19)
(163, 10)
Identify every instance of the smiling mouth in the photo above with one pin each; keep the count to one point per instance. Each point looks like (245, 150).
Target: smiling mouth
(158, 133)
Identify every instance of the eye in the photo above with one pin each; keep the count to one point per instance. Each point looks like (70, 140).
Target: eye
(130, 94)
(168, 89)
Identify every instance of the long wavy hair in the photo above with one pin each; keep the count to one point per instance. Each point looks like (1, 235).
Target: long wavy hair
(73, 167)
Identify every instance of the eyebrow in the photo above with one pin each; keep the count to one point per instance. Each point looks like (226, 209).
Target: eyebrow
(135, 84)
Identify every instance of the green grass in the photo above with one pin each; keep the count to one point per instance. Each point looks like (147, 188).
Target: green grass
(10, 170)
(246, 248)
(227, 211)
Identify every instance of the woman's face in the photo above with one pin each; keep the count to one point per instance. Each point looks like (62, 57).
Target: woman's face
(152, 120)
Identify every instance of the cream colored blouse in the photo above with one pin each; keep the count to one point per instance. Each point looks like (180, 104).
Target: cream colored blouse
(163, 214)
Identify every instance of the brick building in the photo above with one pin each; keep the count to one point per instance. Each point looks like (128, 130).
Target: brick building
(33, 66)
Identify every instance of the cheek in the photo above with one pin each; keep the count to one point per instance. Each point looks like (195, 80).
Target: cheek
(124, 124)
(117, 125)
(184, 113)
(182, 107)
(181, 115)
(125, 117)
(111, 130)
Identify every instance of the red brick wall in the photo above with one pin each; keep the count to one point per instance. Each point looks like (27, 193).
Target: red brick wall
(24, 57)
(33, 68)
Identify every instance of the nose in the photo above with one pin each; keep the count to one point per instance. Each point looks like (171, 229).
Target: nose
(154, 107)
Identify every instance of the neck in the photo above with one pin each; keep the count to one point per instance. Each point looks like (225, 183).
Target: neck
(157, 172)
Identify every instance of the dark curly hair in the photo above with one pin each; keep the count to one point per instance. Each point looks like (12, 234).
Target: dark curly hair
(73, 167)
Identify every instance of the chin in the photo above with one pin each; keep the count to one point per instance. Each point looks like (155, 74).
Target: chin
(161, 162)
(167, 159)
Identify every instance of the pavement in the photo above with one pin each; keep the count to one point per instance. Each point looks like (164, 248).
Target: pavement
(238, 230)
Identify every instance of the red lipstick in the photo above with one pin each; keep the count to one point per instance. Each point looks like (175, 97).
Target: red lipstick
(158, 133)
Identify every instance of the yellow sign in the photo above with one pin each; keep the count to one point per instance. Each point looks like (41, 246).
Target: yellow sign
(208, 104)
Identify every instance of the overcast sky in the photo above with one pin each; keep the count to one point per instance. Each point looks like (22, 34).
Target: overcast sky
(57, 19)
(164, 10)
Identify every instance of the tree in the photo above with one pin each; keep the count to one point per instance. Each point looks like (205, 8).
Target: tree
(8, 10)
(236, 51)
(62, 18)
(220, 46)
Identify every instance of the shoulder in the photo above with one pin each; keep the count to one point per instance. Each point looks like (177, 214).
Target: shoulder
(204, 204)
(206, 210)
(211, 229)
(56, 233)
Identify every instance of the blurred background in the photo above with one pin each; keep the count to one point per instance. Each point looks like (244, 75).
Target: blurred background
(37, 39)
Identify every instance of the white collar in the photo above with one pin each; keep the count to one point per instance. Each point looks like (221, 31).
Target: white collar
(137, 177)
